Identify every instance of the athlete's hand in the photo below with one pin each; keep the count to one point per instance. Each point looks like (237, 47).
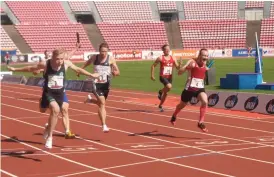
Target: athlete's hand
(152, 78)
(115, 73)
(78, 74)
(10, 68)
(36, 72)
(95, 75)
(78, 45)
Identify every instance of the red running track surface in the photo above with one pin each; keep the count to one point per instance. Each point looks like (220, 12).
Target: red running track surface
(141, 141)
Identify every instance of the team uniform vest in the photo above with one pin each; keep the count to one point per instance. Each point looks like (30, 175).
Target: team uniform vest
(103, 69)
(196, 78)
(166, 67)
(54, 84)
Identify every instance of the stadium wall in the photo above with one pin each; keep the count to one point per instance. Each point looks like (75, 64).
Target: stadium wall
(129, 55)
(251, 102)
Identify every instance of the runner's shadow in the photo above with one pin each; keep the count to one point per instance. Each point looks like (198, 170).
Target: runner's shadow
(62, 136)
(20, 155)
(54, 134)
(133, 110)
(14, 138)
(153, 133)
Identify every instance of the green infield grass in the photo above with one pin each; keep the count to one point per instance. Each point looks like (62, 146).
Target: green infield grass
(135, 75)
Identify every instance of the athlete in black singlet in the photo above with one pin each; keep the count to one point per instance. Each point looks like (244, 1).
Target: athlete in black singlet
(53, 92)
(64, 111)
(106, 66)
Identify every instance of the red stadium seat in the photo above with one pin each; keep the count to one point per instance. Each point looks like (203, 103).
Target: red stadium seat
(138, 35)
(214, 33)
(38, 11)
(52, 36)
(45, 25)
(166, 5)
(79, 6)
(124, 10)
(272, 10)
(211, 10)
(254, 4)
(267, 33)
(6, 41)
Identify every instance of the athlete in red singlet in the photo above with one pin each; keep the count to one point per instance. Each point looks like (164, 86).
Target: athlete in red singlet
(167, 63)
(194, 86)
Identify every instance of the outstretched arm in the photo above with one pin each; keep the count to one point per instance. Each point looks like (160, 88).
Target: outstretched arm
(75, 68)
(177, 65)
(71, 53)
(115, 69)
(188, 65)
(38, 71)
(39, 66)
(157, 61)
(87, 63)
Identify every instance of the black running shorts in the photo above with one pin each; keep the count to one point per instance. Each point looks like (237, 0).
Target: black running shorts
(187, 95)
(165, 81)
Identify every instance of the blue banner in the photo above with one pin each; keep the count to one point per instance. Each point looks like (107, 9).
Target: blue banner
(244, 52)
(11, 52)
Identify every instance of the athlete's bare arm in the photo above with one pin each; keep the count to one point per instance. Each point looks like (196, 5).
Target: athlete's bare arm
(114, 67)
(156, 62)
(190, 64)
(87, 63)
(69, 64)
(32, 68)
(38, 71)
(177, 65)
(71, 53)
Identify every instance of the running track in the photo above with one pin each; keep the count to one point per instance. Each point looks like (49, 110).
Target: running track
(141, 141)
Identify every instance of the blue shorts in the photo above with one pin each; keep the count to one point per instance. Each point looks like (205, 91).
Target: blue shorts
(65, 98)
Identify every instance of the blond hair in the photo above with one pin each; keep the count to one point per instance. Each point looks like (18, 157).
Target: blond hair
(58, 51)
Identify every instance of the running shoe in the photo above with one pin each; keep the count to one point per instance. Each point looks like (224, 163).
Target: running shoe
(69, 135)
(160, 94)
(173, 120)
(202, 127)
(161, 108)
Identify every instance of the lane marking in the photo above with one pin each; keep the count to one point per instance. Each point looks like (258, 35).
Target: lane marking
(7, 173)
(166, 140)
(151, 105)
(212, 142)
(191, 120)
(130, 152)
(60, 157)
(145, 146)
(172, 158)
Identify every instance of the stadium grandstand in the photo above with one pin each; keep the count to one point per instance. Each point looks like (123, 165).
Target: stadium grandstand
(32, 27)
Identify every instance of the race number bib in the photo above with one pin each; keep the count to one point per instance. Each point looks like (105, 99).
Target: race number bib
(55, 82)
(102, 79)
(197, 83)
(167, 70)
